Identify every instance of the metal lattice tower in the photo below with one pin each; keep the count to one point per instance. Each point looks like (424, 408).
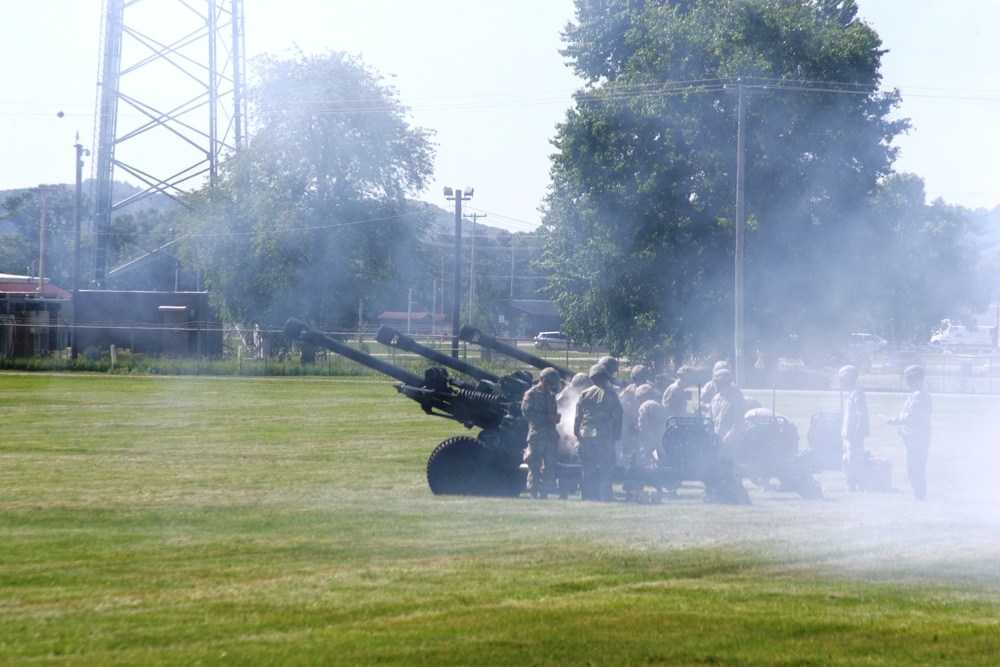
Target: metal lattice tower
(170, 103)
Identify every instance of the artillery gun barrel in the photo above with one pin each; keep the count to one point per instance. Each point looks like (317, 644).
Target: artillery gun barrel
(471, 334)
(301, 331)
(393, 338)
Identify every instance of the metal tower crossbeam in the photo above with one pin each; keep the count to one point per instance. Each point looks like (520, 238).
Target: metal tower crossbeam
(169, 107)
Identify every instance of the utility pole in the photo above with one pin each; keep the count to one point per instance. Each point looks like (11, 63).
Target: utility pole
(738, 292)
(512, 271)
(80, 152)
(472, 266)
(458, 196)
(740, 230)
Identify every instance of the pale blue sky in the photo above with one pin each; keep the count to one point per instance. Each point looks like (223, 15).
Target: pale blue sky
(487, 77)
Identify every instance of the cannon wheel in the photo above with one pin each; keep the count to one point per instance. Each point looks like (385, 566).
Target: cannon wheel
(460, 466)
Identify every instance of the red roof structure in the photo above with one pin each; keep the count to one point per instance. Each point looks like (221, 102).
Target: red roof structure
(24, 286)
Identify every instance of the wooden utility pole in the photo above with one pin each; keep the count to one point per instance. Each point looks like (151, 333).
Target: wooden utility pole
(472, 267)
(458, 196)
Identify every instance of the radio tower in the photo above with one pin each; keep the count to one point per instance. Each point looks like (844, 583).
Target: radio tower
(170, 102)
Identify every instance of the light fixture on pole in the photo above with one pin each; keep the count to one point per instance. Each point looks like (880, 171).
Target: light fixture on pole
(458, 196)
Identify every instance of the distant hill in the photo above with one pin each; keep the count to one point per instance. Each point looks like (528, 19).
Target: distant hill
(121, 191)
(444, 223)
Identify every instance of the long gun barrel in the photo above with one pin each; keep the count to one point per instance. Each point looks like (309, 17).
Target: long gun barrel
(299, 330)
(393, 338)
(471, 334)
(434, 391)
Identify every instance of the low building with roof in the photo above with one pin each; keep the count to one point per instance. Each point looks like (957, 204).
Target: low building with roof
(33, 316)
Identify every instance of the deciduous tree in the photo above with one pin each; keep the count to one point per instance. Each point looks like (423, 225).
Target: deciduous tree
(640, 216)
(311, 218)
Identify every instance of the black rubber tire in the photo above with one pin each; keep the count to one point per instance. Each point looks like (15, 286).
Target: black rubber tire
(459, 467)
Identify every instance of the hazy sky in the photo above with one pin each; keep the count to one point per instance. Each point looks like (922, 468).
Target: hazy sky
(488, 79)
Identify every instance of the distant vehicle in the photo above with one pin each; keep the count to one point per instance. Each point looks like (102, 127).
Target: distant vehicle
(552, 340)
(959, 338)
(898, 360)
(867, 343)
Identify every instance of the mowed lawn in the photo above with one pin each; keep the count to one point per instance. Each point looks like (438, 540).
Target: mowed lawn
(274, 521)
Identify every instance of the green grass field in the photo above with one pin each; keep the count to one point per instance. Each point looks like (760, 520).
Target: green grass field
(287, 521)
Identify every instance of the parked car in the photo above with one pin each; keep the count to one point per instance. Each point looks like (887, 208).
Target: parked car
(552, 340)
(867, 343)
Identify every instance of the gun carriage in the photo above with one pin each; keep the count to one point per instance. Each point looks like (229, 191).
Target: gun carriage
(769, 449)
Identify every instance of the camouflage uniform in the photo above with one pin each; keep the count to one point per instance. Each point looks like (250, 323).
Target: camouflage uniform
(914, 423)
(598, 426)
(652, 425)
(675, 397)
(630, 414)
(710, 389)
(727, 410)
(539, 408)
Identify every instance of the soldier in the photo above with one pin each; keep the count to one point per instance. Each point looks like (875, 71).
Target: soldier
(611, 364)
(727, 409)
(709, 390)
(652, 424)
(598, 426)
(539, 408)
(566, 401)
(675, 397)
(914, 422)
(641, 376)
(854, 429)
(628, 450)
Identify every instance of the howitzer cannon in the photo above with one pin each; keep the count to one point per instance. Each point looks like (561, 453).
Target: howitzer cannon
(486, 465)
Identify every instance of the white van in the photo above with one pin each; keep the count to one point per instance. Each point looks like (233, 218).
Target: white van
(959, 338)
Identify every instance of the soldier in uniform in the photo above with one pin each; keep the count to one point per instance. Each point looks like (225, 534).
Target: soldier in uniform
(651, 423)
(539, 408)
(727, 410)
(675, 396)
(628, 450)
(641, 376)
(612, 366)
(709, 390)
(914, 422)
(598, 426)
(854, 429)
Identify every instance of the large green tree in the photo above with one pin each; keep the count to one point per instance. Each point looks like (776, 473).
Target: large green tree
(311, 218)
(640, 216)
